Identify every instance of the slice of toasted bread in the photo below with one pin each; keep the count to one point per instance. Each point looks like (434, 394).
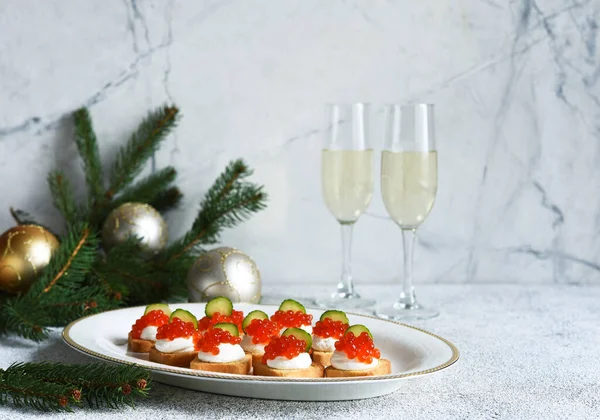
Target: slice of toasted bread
(256, 357)
(181, 359)
(239, 367)
(137, 345)
(384, 367)
(313, 371)
(322, 357)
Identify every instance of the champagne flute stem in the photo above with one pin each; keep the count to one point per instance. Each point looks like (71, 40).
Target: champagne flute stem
(345, 287)
(407, 297)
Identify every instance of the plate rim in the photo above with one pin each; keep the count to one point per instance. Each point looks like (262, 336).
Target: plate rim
(454, 357)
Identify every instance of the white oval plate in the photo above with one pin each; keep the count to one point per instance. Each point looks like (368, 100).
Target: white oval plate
(412, 351)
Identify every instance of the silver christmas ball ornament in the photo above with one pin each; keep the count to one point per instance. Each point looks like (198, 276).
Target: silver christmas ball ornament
(136, 219)
(224, 272)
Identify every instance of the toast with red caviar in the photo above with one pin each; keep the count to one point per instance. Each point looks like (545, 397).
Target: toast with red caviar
(155, 315)
(331, 326)
(315, 370)
(356, 347)
(384, 367)
(290, 353)
(239, 367)
(182, 324)
(259, 330)
(180, 359)
(219, 350)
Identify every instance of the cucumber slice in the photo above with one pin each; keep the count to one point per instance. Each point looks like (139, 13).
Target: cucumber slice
(358, 330)
(158, 307)
(335, 316)
(220, 304)
(291, 305)
(185, 316)
(300, 335)
(253, 315)
(227, 326)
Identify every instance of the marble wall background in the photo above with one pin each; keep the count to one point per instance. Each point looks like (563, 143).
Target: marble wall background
(518, 118)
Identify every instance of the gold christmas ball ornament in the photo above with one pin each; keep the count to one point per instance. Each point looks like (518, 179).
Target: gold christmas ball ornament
(224, 272)
(25, 251)
(135, 219)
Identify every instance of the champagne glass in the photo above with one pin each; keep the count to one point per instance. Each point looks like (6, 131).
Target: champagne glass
(408, 187)
(347, 185)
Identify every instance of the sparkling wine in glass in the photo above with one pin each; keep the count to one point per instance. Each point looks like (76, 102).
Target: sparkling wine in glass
(408, 186)
(347, 185)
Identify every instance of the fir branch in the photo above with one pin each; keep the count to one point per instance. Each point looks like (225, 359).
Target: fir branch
(19, 316)
(148, 189)
(85, 138)
(142, 144)
(123, 267)
(23, 390)
(71, 305)
(60, 282)
(62, 196)
(112, 287)
(74, 257)
(228, 202)
(98, 384)
(167, 200)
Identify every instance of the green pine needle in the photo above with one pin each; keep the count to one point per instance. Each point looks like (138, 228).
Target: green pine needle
(21, 317)
(63, 197)
(167, 200)
(148, 189)
(142, 144)
(227, 203)
(85, 138)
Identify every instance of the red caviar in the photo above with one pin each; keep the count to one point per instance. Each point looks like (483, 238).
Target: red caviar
(154, 318)
(288, 347)
(291, 319)
(209, 342)
(330, 328)
(237, 317)
(360, 348)
(175, 329)
(262, 330)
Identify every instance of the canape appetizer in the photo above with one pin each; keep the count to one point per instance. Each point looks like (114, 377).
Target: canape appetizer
(258, 331)
(292, 314)
(143, 333)
(220, 310)
(175, 341)
(288, 356)
(327, 331)
(356, 355)
(219, 350)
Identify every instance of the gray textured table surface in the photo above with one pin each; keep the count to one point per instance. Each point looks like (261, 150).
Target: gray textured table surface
(526, 352)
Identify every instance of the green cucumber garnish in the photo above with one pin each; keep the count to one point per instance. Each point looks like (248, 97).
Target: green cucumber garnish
(158, 307)
(219, 304)
(335, 316)
(358, 329)
(292, 305)
(227, 326)
(185, 316)
(300, 335)
(253, 315)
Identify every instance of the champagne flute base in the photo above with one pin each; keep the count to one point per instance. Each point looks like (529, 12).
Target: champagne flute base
(343, 300)
(401, 311)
